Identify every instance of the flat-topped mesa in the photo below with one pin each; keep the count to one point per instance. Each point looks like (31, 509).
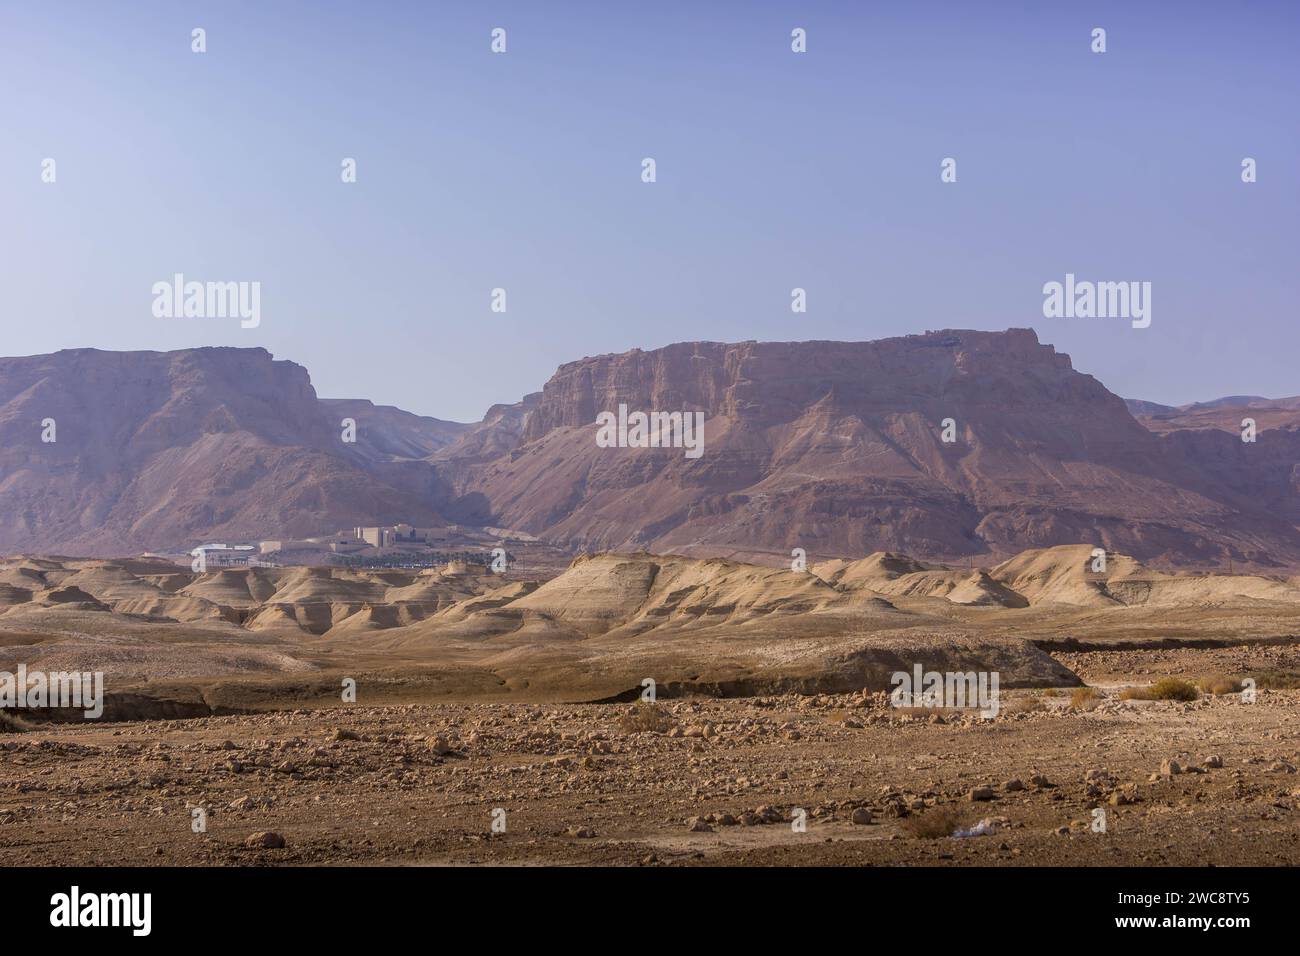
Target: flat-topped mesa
(155, 399)
(772, 382)
(942, 445)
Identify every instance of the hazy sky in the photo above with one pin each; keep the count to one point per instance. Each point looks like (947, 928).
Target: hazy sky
(775, 170)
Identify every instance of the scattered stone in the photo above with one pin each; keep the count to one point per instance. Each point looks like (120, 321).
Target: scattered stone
(861, 816)
(265, 840)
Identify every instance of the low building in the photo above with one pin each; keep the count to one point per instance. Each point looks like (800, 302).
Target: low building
(224, 556)
(388, 536)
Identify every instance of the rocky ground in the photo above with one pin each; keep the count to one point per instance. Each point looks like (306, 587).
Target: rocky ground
(685, 782)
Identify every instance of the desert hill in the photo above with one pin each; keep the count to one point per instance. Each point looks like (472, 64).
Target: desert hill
(597, 629)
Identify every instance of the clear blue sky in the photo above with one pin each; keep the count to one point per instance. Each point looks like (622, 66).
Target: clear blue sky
(775, 170)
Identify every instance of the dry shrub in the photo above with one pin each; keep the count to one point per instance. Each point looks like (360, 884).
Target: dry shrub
(1219, 684)
(13, 724)
(644, 717)
(1084, 698)
(1278, 680)
(1024, 705)
(1167, 688)
(933, 824)
(1171, 688)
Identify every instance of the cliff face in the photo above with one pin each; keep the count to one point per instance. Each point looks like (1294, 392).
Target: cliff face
(161, 450)
(837, 448)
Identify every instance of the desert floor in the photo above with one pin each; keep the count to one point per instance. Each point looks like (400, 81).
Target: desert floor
(713, 781)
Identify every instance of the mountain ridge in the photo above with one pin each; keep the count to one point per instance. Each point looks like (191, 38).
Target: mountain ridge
(834, 447)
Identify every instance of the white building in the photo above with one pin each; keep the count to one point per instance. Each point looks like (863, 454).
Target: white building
(224, 556)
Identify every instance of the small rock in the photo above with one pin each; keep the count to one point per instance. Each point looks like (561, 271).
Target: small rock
(861, 816)
(980, 793)
(265, 840)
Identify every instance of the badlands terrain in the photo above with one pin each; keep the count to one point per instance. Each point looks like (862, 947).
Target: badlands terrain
(485, 699)
(173, 642)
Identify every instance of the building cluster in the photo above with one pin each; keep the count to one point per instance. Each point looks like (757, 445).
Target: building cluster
(226, 556)
(371, 541)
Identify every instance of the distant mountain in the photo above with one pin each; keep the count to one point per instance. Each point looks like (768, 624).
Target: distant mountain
(1185, 413)
(836, 448)
(390, 432)
(1138, 407)
(833, 447)
(163, 449)
(1244, 401)
(1223, 414)
(1206, 438)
